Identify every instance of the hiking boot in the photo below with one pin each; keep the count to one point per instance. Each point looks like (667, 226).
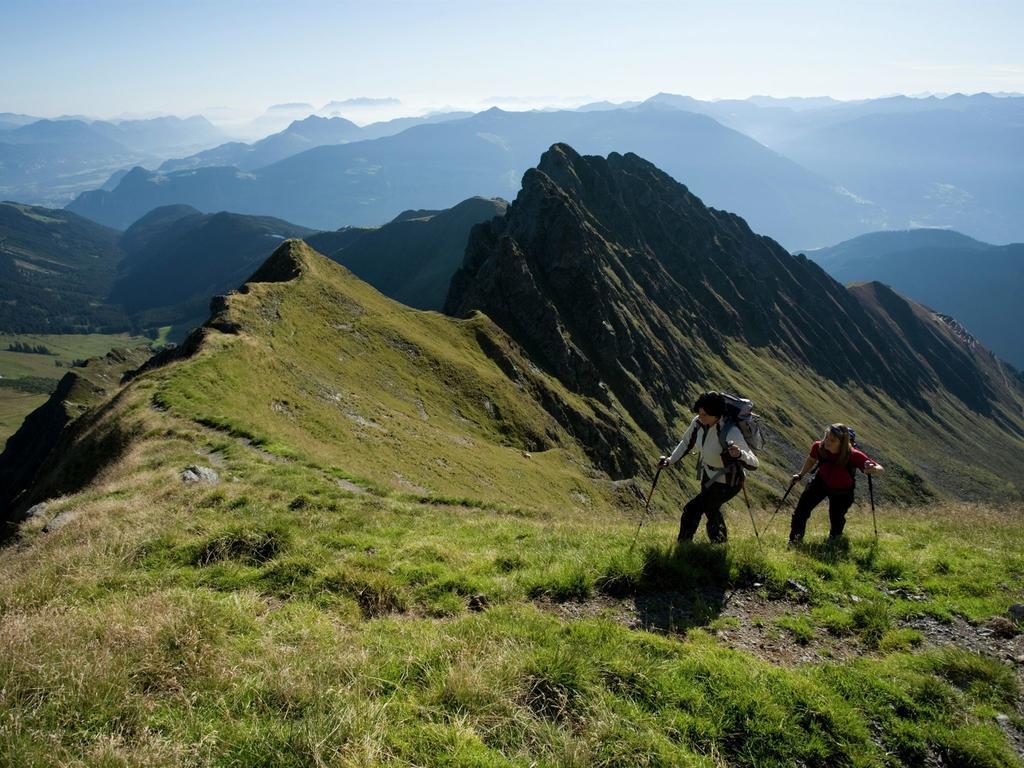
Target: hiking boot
(796, 540)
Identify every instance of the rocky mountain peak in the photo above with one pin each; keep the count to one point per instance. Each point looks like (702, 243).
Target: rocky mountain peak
(618, 280)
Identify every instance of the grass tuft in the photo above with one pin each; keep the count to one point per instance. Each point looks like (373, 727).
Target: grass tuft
(253, 545)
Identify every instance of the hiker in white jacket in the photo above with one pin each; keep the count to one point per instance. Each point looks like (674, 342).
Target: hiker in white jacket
(721, 459)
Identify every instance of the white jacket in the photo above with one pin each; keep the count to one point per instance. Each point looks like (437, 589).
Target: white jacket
(710, 450)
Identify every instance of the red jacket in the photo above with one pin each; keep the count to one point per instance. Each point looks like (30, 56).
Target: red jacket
(836, 476)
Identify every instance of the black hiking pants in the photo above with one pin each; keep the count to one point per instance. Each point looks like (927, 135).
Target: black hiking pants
(708, 503)
(839, 503)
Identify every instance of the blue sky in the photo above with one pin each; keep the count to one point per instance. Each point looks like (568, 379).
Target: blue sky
(109, 57)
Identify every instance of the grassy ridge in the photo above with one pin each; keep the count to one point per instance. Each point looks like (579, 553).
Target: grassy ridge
(343, 377)
(376, 577)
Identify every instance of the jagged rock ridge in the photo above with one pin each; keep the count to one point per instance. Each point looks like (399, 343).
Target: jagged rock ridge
(616, 278)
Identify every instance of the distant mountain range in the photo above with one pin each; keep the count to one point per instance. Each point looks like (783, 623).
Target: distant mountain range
(959, 168)
(980, 285)
(50, 161)
(65, 274)
(895, 162)
(427, 166)
(309, 133)
(951, 162)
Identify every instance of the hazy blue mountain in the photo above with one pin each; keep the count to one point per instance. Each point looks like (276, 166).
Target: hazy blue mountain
(778, 122)
(301, 135)
(959, 167)
(979, 284)
(140, 191)
(51, 161)
(55, 270)
(163, 136)
(176, 259)
(952, 161)
(399, 124)
(604, 106)
(798, 103)
(12, 120)
(412, 258)
(291, 107)
(138, 238)
(329, 243)
(763, 122)
(437, 165)
(70, 133)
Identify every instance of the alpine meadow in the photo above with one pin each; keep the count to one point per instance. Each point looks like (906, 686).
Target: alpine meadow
(446, 430)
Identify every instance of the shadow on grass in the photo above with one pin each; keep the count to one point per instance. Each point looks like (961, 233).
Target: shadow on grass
(676, 588)
(840, 550)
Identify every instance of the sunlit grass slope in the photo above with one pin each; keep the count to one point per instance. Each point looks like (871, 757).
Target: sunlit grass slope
(326, 370)
(371, 580)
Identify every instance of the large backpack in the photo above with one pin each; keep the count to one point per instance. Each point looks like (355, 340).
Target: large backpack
(740, 411)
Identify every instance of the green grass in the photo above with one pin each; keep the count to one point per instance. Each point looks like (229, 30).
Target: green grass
(386, 571)
(301, 622)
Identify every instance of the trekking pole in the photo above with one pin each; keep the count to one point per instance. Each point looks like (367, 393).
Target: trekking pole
(871, 494)
(647, 506)
(771, 519)
(750, 509)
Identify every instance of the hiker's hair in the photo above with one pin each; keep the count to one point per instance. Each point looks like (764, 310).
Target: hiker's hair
(842, 432)
(713, 404)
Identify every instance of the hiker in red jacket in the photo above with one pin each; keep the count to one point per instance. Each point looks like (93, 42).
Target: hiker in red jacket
(836, 460)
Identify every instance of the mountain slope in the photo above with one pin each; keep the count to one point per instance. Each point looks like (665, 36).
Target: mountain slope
(331, 529)
(56, 268)
(431, 166)
(621, 283)
(977, 283)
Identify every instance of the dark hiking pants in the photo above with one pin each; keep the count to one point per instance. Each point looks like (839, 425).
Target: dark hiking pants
(838, 504)
(708, 503)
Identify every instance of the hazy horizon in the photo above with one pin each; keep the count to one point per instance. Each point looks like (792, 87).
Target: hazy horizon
(225, 116)
(231, 61)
